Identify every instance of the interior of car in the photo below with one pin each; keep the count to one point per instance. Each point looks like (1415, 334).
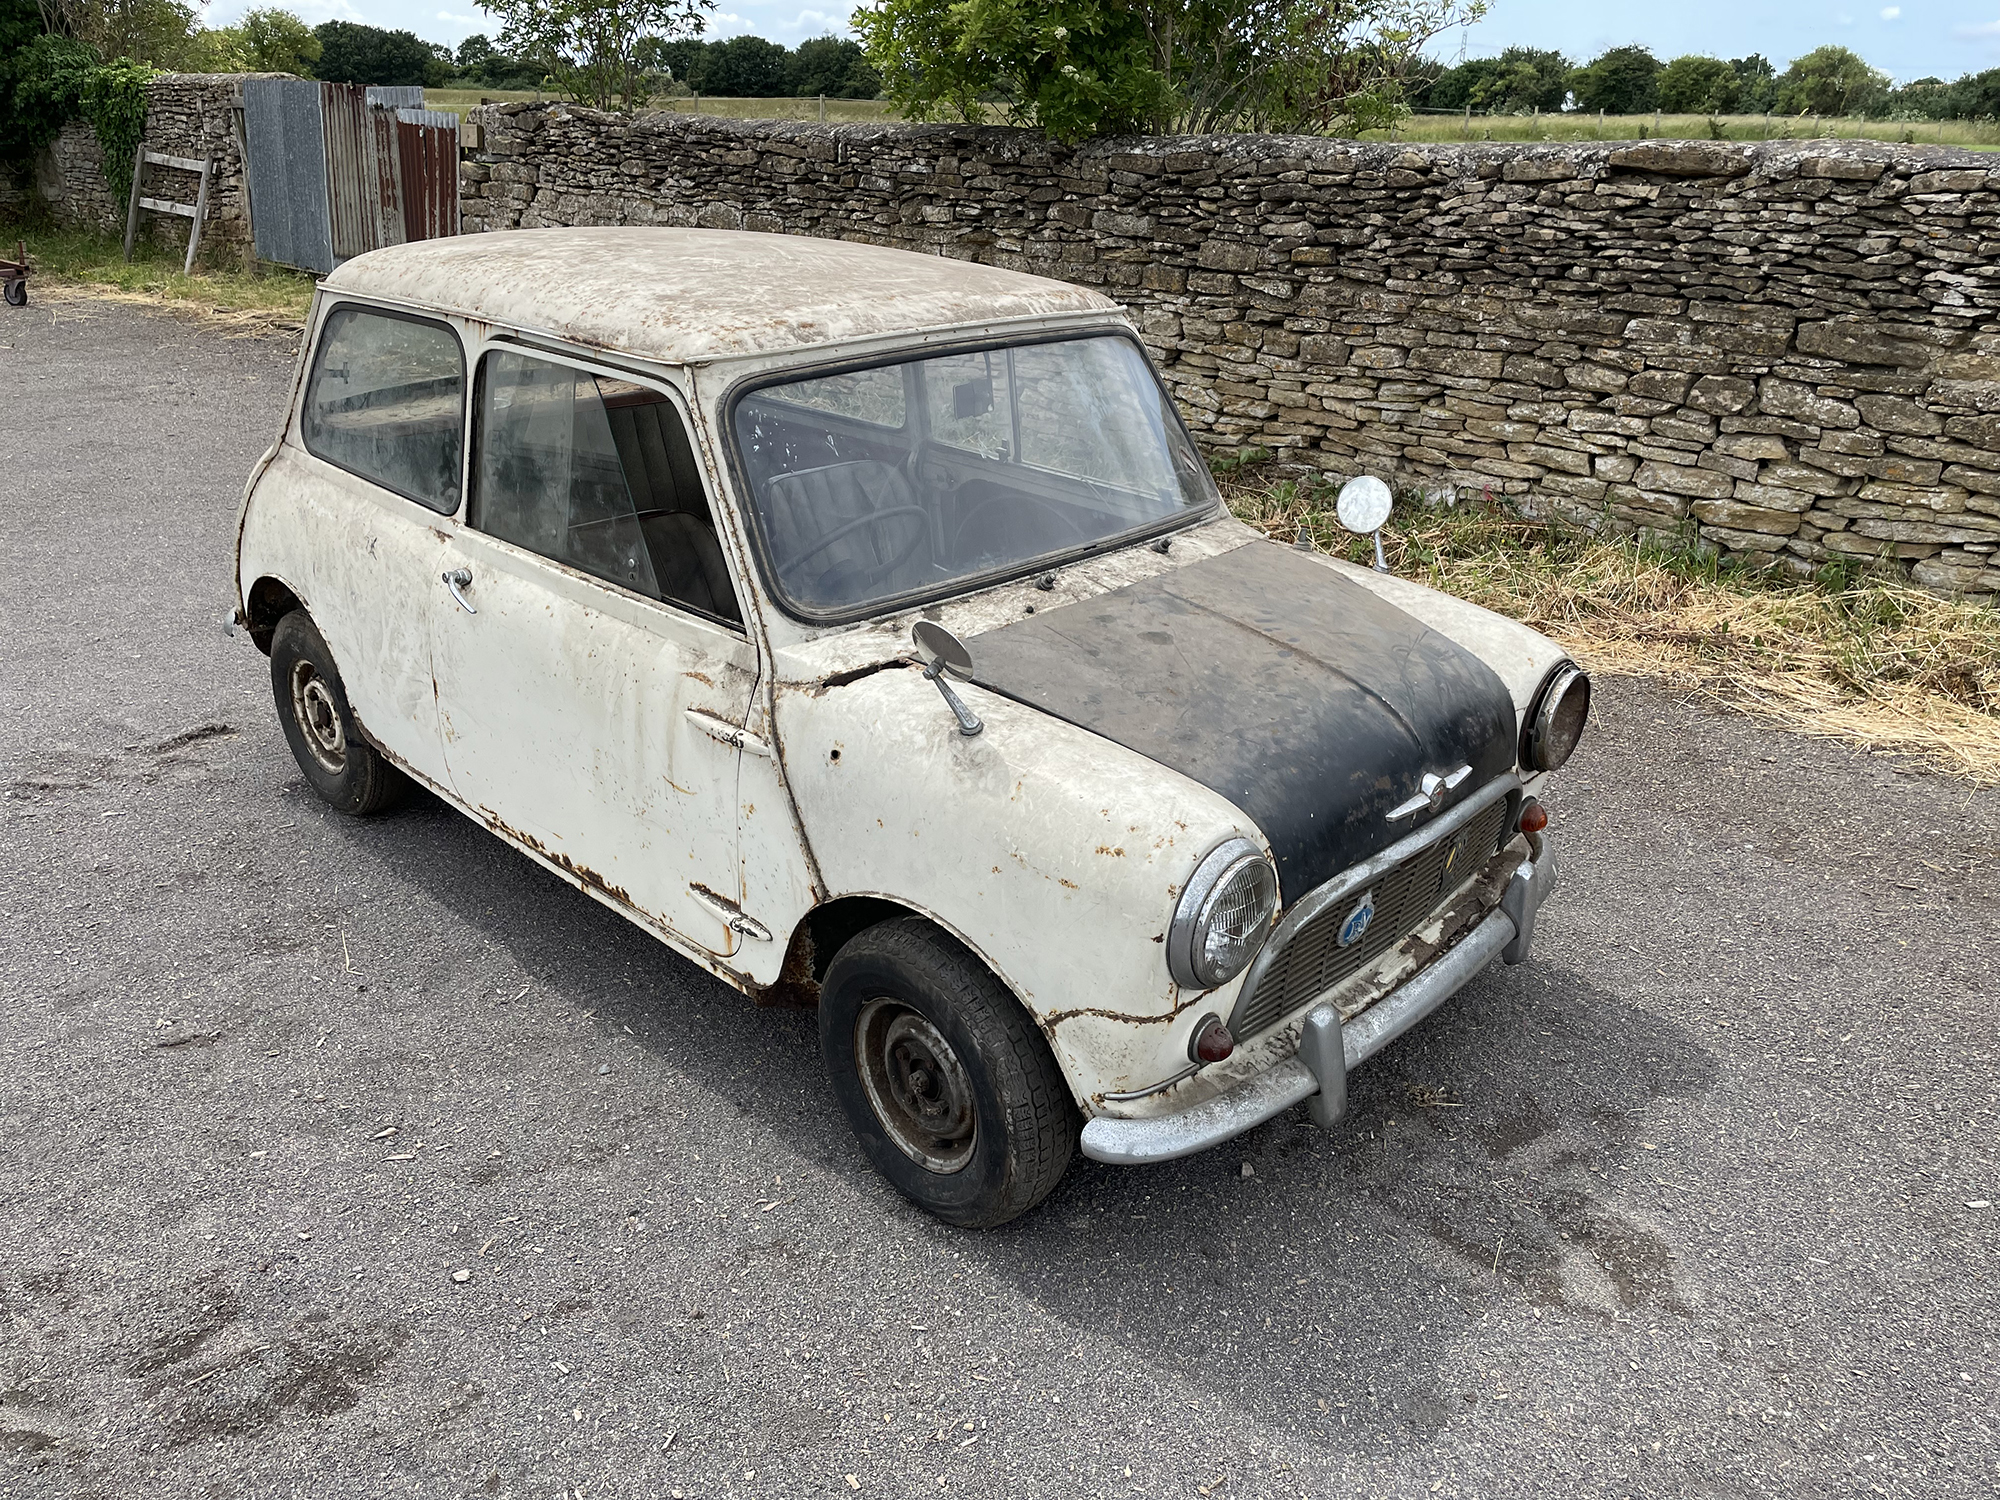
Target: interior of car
(974, 470)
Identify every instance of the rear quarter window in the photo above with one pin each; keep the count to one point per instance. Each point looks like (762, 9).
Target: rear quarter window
(386, 401)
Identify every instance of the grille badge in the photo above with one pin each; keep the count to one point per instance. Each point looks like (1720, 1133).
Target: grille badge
(1358, 920)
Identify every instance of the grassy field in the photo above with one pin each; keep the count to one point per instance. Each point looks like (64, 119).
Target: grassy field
(76, 258)
(842, 111)
(1979, 135)
(1853, 656)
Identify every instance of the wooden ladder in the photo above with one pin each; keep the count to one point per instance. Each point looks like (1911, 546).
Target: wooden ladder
(141, 159)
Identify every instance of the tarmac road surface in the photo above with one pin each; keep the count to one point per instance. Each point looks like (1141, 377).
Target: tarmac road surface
(1699, 1202)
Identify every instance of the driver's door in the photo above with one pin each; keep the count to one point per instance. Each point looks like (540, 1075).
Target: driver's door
(591, 670)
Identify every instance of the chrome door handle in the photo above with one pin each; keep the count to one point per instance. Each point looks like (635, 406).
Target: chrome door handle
(456, 579)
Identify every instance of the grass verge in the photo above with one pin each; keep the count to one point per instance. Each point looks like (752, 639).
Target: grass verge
(271, 297)
(1869, 660)
(838, 111)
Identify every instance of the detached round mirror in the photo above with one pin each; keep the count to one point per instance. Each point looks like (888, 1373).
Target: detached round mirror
(1364, 504)
(941, 649)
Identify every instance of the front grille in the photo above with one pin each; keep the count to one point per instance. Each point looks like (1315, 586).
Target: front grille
(1313, 961)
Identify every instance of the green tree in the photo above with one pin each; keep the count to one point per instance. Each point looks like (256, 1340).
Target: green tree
(1074, 67)
(1524, 79)
(684, 60)
(746, 67)
(1619, 82)
(147, 31)
(1699, 85)
(353, 53)
(832, 65)
(1831, 81)
(1455, 88)
(591, 47)
(1756, 83)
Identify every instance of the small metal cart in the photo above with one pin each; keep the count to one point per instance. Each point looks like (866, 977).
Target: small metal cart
(14, 277)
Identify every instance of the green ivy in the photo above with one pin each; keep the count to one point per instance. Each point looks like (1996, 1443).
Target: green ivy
(114, 102)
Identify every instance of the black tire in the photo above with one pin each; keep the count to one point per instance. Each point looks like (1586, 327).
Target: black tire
(991, 1112)
(17, 293)
(349, 774)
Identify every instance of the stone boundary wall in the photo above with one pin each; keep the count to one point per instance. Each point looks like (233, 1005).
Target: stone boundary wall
(187, 114)
(1789, 348)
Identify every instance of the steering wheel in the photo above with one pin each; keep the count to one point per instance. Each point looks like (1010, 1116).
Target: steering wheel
(874, 518)
(1048, 507)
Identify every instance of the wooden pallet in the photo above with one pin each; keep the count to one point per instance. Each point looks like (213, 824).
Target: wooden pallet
(141, 159)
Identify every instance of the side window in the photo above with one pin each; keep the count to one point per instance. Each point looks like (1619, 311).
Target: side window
(599, 474)
(387, 401)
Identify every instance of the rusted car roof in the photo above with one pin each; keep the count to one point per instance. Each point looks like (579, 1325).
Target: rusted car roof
(684, 296)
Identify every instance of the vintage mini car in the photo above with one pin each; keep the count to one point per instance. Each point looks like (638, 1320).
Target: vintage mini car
(658, 553)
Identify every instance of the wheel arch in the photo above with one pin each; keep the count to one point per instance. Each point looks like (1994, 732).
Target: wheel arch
(827, 928)
(266, 602)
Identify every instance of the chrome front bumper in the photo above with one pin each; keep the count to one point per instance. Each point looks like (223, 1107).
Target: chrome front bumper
(1317, 1075)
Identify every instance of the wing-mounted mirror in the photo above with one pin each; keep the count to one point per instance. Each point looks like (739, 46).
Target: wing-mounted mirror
(944, 655)
(1363, 506)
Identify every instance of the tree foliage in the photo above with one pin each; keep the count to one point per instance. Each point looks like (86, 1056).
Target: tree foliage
(1831, 81)
(353, 53)
(591, 48)
(1623, 81)
(147, 31)
(1699, 85)
(1077, 67)
(1517, 82)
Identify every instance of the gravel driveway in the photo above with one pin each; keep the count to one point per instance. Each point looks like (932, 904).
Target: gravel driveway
(367, 1158)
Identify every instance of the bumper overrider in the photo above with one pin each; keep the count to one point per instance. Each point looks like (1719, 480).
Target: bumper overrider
(1329, 1047)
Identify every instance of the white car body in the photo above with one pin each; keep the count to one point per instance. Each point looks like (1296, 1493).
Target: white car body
(736, 791)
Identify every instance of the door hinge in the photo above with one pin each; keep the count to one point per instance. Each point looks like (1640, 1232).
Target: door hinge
(729, 734)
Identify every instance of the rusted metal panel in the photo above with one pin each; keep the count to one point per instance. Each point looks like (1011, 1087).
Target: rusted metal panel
(427, 149)
(350, 169)
(386, 200)
(285, 150)
(396, 96)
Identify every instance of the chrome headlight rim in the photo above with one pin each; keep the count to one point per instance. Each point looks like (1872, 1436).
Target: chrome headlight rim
(1539, 748)
(1185, 932)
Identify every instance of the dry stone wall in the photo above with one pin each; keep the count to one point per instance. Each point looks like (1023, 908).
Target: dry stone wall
(187, 114)
(1789, 350)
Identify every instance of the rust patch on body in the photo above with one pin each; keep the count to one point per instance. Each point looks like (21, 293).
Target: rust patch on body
(794, 988)
(1054, 1019)
(1118, 853)
(581, 873)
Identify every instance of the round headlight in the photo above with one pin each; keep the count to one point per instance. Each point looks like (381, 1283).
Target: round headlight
(1555, 723)
(1223, 917)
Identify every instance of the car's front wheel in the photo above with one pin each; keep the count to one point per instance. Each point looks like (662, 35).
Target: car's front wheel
(953, 1093)
(349, 774)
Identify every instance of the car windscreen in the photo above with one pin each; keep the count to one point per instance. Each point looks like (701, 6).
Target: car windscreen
(908, 480)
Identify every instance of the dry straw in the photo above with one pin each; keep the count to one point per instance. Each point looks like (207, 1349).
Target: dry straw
(1866, 659)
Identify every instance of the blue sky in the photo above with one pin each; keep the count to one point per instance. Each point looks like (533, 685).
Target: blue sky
(1907, 39)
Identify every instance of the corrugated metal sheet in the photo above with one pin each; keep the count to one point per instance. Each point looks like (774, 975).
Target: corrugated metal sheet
(334, 175)
(396, 96)
(427, 144)
(285, 141)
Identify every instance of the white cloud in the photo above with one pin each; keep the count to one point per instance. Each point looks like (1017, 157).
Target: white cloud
(1973, 33)
(1890, 12)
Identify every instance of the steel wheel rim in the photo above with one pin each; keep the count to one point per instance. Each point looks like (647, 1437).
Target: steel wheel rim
(916, 1085)
(318, 717)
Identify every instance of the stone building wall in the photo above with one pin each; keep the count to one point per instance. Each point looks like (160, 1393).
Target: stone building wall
(1790, 348)
(187, 114)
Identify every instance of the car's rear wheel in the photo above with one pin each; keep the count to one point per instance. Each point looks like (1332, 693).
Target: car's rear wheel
(953, 1093)
(349, 774)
